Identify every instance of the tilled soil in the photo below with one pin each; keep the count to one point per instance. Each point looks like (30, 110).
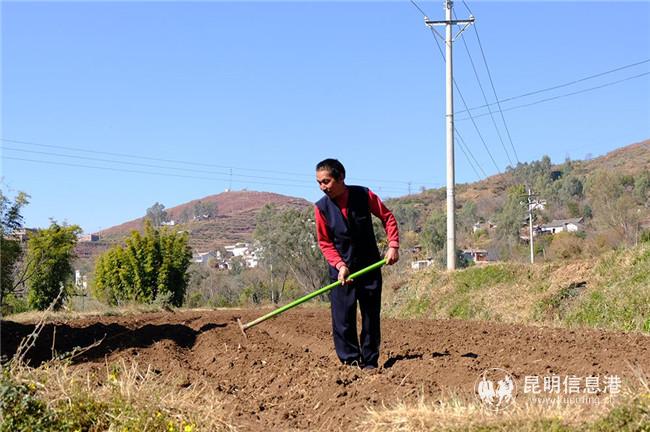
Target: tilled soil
(286, 375)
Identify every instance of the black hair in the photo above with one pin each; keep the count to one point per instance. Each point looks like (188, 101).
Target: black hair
(336, 168)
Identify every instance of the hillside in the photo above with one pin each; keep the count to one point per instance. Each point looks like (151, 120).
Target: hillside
(564, 187)
(630, 160)
(612, 291)
(235, 212)
(233, 221)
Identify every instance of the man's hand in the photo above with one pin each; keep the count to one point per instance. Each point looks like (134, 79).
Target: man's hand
(392, 256)
(344, 272)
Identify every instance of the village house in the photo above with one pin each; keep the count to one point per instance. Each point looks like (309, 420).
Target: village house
(89, 238)
(204, 257)
(248, 255)
(478, 256)
(421, 264)
(563, 225)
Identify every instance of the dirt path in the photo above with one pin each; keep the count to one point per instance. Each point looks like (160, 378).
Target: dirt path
(286, 375)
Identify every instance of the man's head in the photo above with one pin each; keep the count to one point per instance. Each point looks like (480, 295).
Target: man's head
(330, 175)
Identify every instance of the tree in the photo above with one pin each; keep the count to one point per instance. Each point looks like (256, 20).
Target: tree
(150, 267)
(205, 210)
(49, 260)
(157, 214)
(513, 214)
(509, 220)
(407, 215)
(434, 233)
(642, 189)
(613, 206)
(10, 248)
(288, 241)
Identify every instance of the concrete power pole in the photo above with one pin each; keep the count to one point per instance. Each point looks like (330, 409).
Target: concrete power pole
(449, 115)
(532, 203)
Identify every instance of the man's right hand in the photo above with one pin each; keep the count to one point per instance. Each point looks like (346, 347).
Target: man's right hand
(344, 272)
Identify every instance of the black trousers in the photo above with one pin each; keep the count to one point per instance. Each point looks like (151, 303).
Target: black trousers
(367, 292)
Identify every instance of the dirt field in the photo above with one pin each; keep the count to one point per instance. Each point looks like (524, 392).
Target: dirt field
(286, 375)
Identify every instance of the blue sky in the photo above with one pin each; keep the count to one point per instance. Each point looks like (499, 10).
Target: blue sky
(267, 89)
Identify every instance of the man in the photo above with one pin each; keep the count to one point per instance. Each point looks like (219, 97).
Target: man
(347, 239)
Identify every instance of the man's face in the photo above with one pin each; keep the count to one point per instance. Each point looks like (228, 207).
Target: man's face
(329, 185)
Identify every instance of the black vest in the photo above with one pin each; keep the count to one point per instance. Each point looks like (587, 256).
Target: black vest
(354, 238)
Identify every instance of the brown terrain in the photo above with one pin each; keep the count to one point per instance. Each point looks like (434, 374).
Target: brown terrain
(285, 376)
(237, 210)
(235, 220)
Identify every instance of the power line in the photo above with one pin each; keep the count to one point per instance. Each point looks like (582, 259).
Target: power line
(462, 141)
(466, 149)
(140, 164)
(494, 91)
(418, 8)
(463, 147)
(563, 95)
(471, 118)
(194, 163)
(555, 87)
(58, 163)
(471, 60)
(301, 184)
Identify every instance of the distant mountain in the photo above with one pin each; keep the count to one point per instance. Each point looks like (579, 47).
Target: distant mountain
(233, 219)
(236, 211)
(489, 195)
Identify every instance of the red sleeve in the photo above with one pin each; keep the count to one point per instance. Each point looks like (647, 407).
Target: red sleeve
(324, 242)
(378, 208)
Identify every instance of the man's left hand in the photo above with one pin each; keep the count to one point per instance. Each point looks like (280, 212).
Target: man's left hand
(392, 256)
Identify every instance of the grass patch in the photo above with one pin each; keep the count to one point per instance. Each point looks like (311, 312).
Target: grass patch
(555, 306)
(629, 414)
(478, 277)
(53, 316)
(127, 397)
(612, 292)
(416, 307)
(621, 298)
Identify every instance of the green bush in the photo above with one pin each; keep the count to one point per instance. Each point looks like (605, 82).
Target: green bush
(149, 268)
(22, 410)
(49, 256)
(565, 246)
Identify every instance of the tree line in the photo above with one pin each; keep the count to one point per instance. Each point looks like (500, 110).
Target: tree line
(154, 266)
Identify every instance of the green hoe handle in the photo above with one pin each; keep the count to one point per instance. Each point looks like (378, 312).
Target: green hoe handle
(311, 295)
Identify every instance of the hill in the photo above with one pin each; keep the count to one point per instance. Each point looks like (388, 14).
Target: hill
(235, 212)
(232, 219)
(565, 187)
(628, 160)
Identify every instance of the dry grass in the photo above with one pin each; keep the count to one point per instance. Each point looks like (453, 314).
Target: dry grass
(65, 315)
(135, 397)
(550, 294)
(452, 413)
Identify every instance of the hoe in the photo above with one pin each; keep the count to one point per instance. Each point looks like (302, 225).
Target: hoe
(278, 311)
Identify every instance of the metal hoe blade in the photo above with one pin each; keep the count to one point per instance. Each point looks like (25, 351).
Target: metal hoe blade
(242, 328)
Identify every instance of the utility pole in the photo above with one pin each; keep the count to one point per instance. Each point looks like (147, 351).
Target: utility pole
(532, 203)
(449, 115)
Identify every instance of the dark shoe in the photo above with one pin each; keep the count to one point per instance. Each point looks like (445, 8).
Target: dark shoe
(369, 367)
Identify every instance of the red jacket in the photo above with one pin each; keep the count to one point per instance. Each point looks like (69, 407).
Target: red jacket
(377, 208)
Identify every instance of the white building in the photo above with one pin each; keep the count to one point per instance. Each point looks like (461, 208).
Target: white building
(561, 225)
(421, 264)
(204, 257)
(244, 250)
